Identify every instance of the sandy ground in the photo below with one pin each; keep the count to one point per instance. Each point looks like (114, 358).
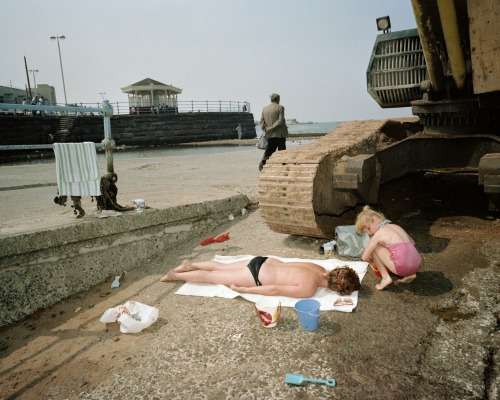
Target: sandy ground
(406, 342)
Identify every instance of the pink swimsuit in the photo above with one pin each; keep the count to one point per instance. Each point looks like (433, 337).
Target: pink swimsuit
(405, 258)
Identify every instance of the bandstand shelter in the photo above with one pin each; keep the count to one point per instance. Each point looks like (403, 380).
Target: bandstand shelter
(148, 96)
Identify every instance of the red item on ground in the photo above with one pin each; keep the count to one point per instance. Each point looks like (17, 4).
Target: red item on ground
(207, 241)
(218, 239)
(222, 238)
(375, 269)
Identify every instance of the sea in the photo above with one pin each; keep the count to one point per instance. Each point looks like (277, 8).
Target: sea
(182, 150)
(305, 128)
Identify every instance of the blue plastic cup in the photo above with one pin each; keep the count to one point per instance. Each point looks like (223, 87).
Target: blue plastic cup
(308, 312)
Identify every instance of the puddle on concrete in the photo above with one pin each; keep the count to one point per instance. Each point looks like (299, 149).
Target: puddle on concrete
(452, 314)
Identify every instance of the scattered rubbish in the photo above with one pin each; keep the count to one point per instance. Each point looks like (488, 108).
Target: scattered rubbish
(116, 338)
(375, 270)
(118, 280)
(78, 309)
(343, 301)
(231, 217)
(217, 239)
(269, 311)
(298, 379)
(222, 238)
(328, 249)
(132, 316)
(243, 211)
(139, 205)
(107, 213)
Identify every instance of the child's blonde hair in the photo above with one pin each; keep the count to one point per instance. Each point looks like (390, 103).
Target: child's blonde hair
(365, 218)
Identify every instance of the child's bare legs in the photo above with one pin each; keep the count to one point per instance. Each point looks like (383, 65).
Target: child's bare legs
(381, 258)
(407, 279)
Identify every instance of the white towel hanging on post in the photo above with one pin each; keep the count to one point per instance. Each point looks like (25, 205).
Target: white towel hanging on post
(77, 170)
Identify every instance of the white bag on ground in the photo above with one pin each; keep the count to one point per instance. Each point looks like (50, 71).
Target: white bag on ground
(132, 316)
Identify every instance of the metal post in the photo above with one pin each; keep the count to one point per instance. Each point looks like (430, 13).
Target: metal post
(34, 80)
(108, 143)
(57, 37)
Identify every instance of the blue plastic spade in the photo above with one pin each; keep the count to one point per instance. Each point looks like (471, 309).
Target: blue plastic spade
(298, 379)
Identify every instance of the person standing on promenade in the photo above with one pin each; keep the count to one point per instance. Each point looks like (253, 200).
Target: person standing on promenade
(273, 124)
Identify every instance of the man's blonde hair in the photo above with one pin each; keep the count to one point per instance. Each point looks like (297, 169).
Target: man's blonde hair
(365, 218)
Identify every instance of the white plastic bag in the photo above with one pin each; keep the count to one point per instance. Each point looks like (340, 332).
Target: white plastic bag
(349, 242)
(132, 316)
(262, 142)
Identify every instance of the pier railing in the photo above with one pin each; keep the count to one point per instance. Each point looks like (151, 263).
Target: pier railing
(124, 108)
(105, 110)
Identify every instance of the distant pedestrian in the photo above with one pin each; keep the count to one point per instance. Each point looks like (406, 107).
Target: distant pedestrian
(34, 102)
(273, 124)
(41, 102)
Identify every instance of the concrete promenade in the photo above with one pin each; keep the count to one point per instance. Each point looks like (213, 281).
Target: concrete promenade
(436, 338)
(27, 190)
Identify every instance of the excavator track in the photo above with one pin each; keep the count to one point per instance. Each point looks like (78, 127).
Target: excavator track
(296, 187)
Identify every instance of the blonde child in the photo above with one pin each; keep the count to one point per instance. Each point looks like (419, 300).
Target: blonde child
(390, 248)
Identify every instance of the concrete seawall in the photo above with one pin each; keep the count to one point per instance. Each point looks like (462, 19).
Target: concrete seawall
(41, 268)
(47, 255)
(128, 129)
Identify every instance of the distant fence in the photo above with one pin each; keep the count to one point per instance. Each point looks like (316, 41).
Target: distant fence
(124, 108)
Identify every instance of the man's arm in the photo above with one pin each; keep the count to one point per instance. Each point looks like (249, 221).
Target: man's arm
(262, 122)
(277, 290)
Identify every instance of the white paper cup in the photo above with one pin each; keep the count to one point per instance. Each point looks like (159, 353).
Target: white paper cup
(268, 311)
(328, 248)
(138, 205)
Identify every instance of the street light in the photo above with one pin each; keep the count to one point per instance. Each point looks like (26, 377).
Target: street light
(57, 37)
(102, 94)
(34, 80)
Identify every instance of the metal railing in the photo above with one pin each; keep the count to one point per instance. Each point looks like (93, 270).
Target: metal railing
(105, 110)
(124, 108)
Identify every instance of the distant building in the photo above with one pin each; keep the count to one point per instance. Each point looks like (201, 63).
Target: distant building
(149, 96)
(49, 94)
(12, 95)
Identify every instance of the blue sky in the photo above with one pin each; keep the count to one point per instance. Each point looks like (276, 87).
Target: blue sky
(313, 53)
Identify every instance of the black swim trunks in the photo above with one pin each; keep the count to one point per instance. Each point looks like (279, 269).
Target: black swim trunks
(254, 267)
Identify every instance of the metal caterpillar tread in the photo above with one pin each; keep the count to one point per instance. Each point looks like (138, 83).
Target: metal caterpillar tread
(296, 191)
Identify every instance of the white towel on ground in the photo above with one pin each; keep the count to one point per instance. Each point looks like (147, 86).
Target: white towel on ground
(325, 296)
(76, 169)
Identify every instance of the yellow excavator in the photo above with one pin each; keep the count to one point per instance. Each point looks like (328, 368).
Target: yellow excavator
(448, 71)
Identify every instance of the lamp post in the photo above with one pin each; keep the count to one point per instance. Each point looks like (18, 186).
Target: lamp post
(57, 37)
(34, 80)
(102, 94)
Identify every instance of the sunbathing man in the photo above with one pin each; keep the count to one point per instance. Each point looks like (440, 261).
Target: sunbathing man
(268, 276)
